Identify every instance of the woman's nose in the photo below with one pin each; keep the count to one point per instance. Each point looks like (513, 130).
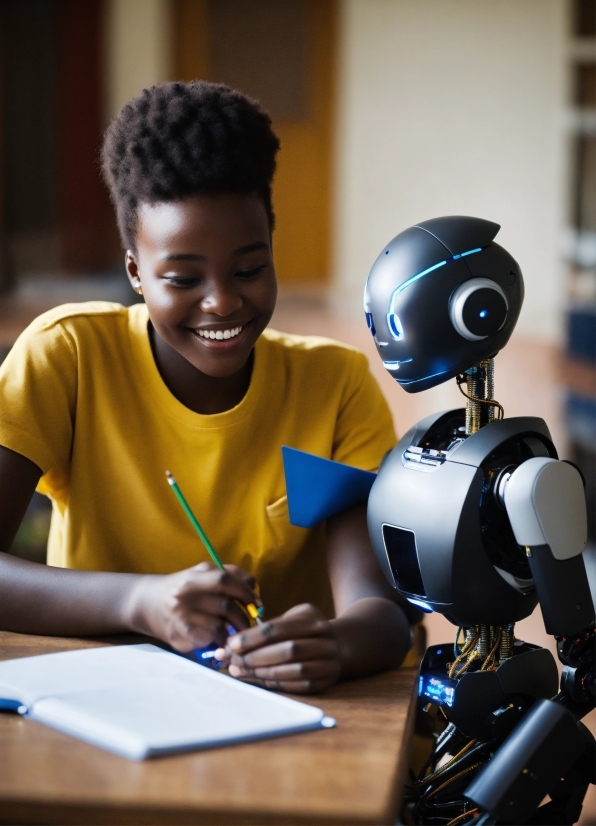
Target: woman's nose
(222, 301)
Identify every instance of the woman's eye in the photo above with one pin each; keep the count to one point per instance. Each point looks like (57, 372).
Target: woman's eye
(251, 272)
(179, 281)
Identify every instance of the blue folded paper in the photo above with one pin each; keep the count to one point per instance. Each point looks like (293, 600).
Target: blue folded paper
(319, 488)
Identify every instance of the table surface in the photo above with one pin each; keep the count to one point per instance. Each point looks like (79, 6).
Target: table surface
(353, 773)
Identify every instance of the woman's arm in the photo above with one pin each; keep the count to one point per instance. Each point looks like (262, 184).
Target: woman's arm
(371, 626)
(302, 651)
(188, 609)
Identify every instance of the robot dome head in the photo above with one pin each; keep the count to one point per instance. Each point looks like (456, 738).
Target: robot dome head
(441, 297)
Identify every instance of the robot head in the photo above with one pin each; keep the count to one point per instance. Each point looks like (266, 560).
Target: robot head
(440, 298)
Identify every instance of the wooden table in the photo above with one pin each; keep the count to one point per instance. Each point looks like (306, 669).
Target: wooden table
(351, 774)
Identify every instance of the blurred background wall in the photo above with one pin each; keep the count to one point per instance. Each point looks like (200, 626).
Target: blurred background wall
(455, 108)
(389, 112)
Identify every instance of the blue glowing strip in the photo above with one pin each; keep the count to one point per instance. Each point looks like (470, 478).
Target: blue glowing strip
(424, 378)
(430, 269)
(394, 365)
(424, 606)
(415, 278)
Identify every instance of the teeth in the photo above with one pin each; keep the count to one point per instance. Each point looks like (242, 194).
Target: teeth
(220, 334)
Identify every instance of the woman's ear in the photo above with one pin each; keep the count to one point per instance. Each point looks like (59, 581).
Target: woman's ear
(132, 270)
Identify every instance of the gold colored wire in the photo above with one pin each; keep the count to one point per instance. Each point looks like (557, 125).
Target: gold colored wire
(490, 656)
(467, 647)
(492, 402)
(462, 773)
(473, 656)
(449, 763)
(455, 820)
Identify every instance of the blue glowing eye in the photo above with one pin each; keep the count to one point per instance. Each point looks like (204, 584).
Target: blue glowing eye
(395, 327)
(370, 323)
(483, 313)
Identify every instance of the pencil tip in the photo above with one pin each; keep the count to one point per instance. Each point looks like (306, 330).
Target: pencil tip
(170, 478)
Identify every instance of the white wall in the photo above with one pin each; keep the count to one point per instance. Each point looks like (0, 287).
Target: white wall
(453, 107)
(138, 48)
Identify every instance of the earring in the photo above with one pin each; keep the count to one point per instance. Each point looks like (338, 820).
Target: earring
(139, 290)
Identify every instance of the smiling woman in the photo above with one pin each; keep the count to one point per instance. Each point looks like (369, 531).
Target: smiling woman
(205, 269)
(97, 400)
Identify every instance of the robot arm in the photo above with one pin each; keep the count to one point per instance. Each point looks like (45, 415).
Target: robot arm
(544, 499)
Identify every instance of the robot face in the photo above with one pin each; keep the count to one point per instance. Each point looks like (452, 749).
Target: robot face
(438, 302)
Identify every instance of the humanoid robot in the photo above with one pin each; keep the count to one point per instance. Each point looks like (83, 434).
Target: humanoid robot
(473, 516)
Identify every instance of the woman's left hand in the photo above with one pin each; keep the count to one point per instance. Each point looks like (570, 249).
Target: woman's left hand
(297, 652)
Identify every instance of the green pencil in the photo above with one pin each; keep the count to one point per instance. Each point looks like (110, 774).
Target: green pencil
(251, 608)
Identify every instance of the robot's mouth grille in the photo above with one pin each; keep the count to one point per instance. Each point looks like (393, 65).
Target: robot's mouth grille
(400, 547)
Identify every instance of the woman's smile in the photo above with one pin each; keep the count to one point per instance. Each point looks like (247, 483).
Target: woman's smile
(205, 269)
(221, 337)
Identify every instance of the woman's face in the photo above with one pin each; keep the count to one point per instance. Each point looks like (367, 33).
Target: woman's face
(205, 267)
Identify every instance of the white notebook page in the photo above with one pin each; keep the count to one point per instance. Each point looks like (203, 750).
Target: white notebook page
(140, 701)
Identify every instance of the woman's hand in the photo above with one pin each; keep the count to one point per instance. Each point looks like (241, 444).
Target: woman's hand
(191, 608)
(298, 652)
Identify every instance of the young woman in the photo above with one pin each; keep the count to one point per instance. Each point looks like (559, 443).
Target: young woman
(98, 400)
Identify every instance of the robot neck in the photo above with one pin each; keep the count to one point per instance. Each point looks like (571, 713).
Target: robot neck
(481, 407)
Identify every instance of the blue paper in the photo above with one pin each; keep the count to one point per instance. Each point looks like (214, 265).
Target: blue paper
(319, 488)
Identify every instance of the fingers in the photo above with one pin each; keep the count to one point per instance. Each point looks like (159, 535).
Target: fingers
(240, 573)
(301, 621)
(205, 578)
(295, 678)
(297, 652)
(292, 672)
(289, 651)
(199, 605)
(222, 608)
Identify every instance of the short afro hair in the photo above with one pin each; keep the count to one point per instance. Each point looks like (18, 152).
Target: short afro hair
(180, 139)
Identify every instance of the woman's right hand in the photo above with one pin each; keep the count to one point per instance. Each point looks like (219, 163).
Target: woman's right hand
(191, 608)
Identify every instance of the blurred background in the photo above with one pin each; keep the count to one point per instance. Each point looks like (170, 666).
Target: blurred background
(389, 112)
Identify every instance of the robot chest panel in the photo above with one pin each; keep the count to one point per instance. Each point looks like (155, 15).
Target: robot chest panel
(419, 514)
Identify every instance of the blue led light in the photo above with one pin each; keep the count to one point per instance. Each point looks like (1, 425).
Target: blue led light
(370, 324)
(395, 328)
(424, 378)
(394, 365)
(416, 277)
(440, 691)
(483, 313)
(424, 606)
(393, 322)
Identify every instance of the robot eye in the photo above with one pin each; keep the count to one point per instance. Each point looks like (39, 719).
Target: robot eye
(369, 318)
(478, 309)
(395, 328)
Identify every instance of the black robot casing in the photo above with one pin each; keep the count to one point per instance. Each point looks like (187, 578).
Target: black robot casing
(436, 525)
(441, 297)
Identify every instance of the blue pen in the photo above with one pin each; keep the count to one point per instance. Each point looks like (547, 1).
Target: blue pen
(206, 656)
(16, 706)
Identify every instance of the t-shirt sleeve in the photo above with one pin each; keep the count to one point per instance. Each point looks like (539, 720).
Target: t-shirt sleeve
(364, 430)
(38, 386)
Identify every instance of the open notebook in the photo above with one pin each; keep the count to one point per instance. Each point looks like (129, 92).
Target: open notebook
(140, 701)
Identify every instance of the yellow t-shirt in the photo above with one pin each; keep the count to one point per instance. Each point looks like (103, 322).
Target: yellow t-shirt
(81, 397)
